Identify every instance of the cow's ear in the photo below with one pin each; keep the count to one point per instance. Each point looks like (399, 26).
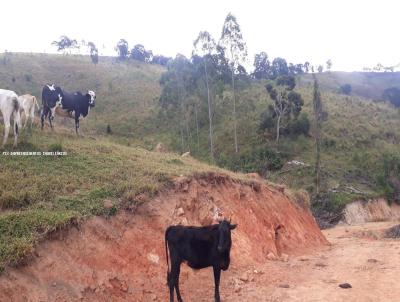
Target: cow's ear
(233, 226)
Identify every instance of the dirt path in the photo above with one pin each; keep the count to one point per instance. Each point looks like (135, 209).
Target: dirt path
(370, 265)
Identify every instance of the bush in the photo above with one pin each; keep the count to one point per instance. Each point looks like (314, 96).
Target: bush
(56, 147)
(300, 125)
(345, 89)
(28, 78)
(392, 95)
(259, 160)
(389, 179)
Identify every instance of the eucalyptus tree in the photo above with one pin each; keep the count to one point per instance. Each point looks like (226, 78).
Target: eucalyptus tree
(178, 83)
(319, 116)
(286, 103)
(122, 48)
(94, 52)
(205, 47)
(262, 66)
(65, 44)
(235, 50)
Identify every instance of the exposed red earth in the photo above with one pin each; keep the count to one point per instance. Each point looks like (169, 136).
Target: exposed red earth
(123, 258)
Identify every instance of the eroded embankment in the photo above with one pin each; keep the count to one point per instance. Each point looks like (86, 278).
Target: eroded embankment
(123, 258)
(371, 211)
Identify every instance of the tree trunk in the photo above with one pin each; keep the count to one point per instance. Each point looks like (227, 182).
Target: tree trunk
(182, 141)
(234, 112)
(197, 127)
(209, 114)
(278, 126)
(317, 162)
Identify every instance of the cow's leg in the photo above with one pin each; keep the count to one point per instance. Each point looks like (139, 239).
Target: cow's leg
(76, 123)
(51, 118)
(17, 125)
(6, 129)
(217, 275)
(178, 294)
(26, 119)
(43, 116)
(171, 282)
(173, 276)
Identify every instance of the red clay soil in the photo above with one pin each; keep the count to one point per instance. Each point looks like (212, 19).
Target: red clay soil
(123, 258)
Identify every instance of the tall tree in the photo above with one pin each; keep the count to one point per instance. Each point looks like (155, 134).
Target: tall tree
(177, 85)
(122, 49)
(262, 66)
(65, 44)
(307, 66)
(286, 103)
(94, 52)
(329, 65)
(139, 53)
(279, 68)
(205, 47)
(235, 50)
(319, 116)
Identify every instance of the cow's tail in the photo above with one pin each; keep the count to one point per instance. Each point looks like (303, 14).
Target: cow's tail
(16, 115)
(166, 254)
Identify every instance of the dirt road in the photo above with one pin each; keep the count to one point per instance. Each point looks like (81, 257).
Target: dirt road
(356, 256)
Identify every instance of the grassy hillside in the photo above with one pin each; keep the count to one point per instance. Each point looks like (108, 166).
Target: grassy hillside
(41, 194)
(357, 133)
(127, 92)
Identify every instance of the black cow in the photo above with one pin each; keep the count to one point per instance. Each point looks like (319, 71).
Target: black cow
(51, 98)
(75, 105)
(200, 247)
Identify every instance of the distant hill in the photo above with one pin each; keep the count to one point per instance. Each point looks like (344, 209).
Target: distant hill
(366, 84)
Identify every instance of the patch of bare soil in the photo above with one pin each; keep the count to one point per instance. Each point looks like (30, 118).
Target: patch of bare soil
(123, 258)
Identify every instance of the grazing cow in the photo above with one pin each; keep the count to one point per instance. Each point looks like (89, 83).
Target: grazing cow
(76, 105)
(9, 107)
(51, 98)
(200, 247)
(27, 104)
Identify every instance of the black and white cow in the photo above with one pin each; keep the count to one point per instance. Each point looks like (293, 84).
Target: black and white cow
(76, 105)
(199, 247)
(51, 98)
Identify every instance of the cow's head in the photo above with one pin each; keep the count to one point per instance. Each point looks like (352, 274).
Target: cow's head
(92, 97)
(224, 235)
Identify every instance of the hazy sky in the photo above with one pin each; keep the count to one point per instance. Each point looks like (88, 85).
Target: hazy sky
(351, 33)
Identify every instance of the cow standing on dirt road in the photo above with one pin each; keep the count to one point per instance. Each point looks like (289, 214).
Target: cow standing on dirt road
(200, 247)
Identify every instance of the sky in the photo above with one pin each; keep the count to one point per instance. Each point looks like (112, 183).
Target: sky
(352, 33)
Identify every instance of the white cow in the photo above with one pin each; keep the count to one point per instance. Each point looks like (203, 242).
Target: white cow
(27, 104)
(9, 107)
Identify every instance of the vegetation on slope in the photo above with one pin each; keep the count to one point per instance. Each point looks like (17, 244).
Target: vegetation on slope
(41, 194)
(127, 92)
(358, 137)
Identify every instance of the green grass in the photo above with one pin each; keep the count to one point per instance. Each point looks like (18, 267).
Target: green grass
(40, 194)
(127, 93)
(119, 167)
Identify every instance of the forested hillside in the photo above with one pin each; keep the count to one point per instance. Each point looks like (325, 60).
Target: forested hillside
(146, 103)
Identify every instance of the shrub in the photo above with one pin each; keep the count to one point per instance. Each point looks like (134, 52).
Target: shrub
(345, 89)
(389, 179)
(57, 147)
(300, 125)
